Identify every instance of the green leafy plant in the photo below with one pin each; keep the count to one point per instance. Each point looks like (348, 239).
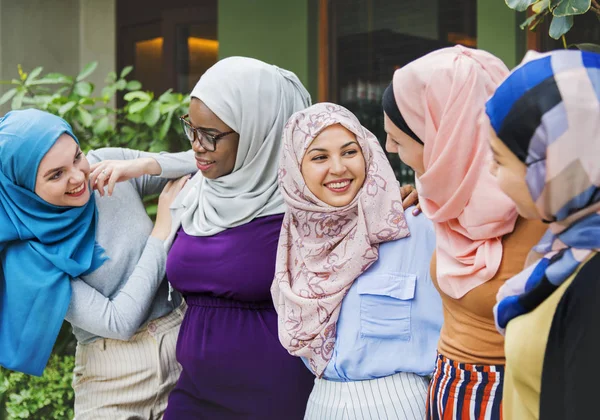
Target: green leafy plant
(561, 11)
(47, 397)
(143, 123)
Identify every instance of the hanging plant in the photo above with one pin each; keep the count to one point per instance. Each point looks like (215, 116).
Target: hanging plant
(561, 12)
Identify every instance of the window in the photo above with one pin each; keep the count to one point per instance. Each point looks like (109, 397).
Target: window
(369, 39)
(170, 44)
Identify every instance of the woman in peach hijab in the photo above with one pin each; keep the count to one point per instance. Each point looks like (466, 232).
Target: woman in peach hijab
(432, 118)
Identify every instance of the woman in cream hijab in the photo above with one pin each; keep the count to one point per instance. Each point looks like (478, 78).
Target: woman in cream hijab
(226, 225)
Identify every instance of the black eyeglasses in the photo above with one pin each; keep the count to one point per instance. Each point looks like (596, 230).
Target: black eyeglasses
(207, 141)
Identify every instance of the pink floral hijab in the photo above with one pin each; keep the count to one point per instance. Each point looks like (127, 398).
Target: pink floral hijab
(323, 249)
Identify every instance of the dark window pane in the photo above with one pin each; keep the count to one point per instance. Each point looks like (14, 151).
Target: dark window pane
(372, 38)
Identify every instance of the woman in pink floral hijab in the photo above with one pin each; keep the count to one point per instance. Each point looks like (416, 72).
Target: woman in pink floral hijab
(346, 281)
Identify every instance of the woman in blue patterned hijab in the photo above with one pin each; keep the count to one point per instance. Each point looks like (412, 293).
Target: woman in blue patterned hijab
(545, 136)
(47, 233)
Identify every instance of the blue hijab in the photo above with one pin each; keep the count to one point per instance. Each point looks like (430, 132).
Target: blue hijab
(546, 113)
(42, 246)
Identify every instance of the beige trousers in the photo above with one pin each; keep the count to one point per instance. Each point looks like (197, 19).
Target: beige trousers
(132, 379)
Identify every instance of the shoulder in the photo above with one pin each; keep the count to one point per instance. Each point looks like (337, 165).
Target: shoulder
(582, 295)
(93, 156)
(419, 245)
(418, 224)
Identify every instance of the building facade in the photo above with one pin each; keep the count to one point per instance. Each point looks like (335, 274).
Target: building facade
(344, 51)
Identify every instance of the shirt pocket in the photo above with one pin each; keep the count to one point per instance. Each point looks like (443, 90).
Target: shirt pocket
(385, 304)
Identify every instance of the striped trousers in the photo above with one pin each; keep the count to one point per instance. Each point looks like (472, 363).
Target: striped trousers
(400, 396)
(466, 392)
(132, 379)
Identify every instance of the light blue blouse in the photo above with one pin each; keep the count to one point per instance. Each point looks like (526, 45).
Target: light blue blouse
(391, 318)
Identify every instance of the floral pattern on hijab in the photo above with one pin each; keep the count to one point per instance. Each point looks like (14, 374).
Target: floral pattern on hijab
(323, 249)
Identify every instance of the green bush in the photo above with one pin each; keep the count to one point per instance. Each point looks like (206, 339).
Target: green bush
(47, 397)
(144, 123)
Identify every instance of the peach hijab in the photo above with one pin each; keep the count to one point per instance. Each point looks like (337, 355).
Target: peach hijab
(441, 97)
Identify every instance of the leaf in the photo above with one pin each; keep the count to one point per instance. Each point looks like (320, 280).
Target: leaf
(165, 108)
(158, 145)
(83, 89)
(121, 84)
(86, 117)
(66, 108)
(87, 101)
(18, 99)
(100, 112)
(165, 97)
(137, 106)
(571, 7)
(126, 71)
(152, 114)
(528, 21)
(135, 118)
(540, 6)
(102, 126)
(519, 5)
(22, 74)
(46, 81)
(164, 129)
(108, 92)
(111, 77)
(57, 76)
(133, 85)
(587, 46)
(560, 25)
(34, 73)
(141, 95)
(7, 96)
(87, 70)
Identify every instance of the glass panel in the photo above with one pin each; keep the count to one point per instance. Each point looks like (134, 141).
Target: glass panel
(372, 38)
(197, 49)
(148, 62)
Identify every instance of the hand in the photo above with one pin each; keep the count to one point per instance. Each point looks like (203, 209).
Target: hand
(162, 226)
(410, 197)
(109, 172)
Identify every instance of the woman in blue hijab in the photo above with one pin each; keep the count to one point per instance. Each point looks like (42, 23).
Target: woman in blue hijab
(54, 235)
(42, 245)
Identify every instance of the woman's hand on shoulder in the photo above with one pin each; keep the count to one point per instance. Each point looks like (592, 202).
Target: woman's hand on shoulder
(107, 173)
(162, 226)
(410, 197)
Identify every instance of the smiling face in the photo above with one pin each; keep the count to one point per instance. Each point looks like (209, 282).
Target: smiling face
(409, 151)
(221, 162)
(510, 174)
(63, 175)
(334, 167)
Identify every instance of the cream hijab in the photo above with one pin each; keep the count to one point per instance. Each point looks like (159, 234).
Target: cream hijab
(255, 99)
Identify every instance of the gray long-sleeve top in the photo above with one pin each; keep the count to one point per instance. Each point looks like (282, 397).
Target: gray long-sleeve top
(129, 289)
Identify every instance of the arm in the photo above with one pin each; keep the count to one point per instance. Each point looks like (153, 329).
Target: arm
(150, 170)
(119, 317)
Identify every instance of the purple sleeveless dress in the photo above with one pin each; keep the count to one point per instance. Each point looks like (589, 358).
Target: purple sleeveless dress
(233, 364)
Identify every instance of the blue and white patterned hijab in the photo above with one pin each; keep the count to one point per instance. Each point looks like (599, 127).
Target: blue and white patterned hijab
(548, 114)
(42, 246)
